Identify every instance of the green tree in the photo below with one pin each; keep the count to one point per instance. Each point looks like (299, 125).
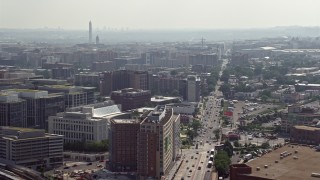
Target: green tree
(222, 162)
(217, 133)
(265, 145)
(228, 148)
(236, 144)
(195, 124)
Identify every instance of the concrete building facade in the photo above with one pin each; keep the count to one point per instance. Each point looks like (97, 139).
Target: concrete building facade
(30, 147)
(87, 123)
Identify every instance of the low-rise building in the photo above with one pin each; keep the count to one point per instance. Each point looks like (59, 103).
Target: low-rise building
(305, 135)
(31, 148)
(299, 162)
(87, 123)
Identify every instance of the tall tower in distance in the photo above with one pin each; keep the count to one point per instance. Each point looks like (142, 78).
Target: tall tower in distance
(97, 40)
(90, 32)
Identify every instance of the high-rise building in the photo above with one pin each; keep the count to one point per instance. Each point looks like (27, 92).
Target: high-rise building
(156, 143)
(148, 145)
(13, 110)
(90, 32)
(193, 89)
(31, 148)
(123, 144)
(130, 98)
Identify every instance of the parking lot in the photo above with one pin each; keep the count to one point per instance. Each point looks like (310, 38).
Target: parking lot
(72, 170)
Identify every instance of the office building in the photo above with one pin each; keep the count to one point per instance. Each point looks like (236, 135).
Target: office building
(117, 80)
(101, 66)
(13, 110)
(193, 89)
(62, 73)
(31, 148)
(130, 98)
(39, 105)
(87, 79)
(123, 145)
(73, 95)
(85, 123)
(204, 59)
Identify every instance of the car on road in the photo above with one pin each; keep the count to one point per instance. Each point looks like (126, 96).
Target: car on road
(66, 167)
(189, 175)
(199, 168)
(89, 164)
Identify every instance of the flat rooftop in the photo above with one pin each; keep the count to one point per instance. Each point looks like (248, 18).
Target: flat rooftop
(20, 129)
(162, 98)
(307, 128)
(125, 121)
(287, 168)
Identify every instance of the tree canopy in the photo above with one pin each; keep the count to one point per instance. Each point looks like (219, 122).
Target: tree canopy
(222, 162)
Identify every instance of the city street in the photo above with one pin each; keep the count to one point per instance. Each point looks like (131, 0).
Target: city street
(195, 162)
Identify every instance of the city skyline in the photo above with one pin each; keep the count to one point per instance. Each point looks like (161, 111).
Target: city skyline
(144, 14)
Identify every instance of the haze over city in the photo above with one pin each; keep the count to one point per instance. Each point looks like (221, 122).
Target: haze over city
(156, 14)
(159, 89)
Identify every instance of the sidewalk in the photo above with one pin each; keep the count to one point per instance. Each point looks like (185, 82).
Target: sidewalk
(175, 168)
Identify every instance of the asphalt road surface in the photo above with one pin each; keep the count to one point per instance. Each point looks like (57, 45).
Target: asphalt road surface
(194, 166)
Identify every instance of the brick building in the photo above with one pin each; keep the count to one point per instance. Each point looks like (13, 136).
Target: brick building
(130, 98)
(116, 80)
(123, 144)
(305, 135)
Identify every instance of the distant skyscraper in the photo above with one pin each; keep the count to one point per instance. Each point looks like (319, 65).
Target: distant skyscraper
(97, 40)
(90, 32)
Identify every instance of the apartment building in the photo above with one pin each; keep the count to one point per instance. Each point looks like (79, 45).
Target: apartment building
(156, 143)
(31, 148)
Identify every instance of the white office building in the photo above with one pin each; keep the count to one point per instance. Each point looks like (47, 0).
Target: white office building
(87, 123)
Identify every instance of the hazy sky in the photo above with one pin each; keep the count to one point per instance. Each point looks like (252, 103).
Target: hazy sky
(158, 14)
